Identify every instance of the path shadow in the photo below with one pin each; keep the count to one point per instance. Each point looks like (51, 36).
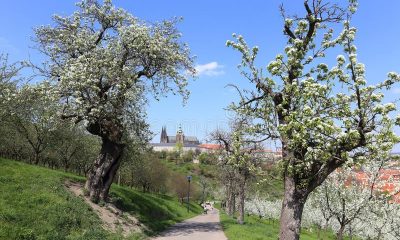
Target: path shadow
(186, 228)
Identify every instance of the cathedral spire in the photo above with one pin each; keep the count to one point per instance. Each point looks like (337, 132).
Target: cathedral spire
(163, 138)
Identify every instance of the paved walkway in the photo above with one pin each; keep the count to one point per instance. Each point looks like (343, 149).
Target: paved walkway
(202, 227)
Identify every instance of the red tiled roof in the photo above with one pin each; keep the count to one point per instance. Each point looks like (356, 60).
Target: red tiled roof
(218, 146)
(384, 175)
(210, 146)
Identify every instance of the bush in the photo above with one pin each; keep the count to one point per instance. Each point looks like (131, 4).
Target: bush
(172, 156)
(208, 158)
(188, 156)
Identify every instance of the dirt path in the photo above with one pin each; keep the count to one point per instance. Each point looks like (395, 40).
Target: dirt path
(113, 219)
(202, 227)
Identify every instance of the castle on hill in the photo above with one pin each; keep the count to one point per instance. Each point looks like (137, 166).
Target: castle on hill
(178, 138)
(170, 143)
(191, 143)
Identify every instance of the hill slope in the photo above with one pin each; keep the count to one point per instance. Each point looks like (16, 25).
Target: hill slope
(34, 204)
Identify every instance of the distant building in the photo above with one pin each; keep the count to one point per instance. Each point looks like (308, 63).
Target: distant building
(187, 143)
(388, 178)
(178, 138)
(209, 147)
(171, 143)
(268, 154)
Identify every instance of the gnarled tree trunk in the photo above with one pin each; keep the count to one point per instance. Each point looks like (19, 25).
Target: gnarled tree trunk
(102, 174)
(292, 210)
(104, 169)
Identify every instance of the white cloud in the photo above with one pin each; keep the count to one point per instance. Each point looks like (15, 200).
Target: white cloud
(209, 69)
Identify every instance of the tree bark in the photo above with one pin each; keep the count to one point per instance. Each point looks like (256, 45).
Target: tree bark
(292, 210)
(66, 165)
(242, 189)
(231, 203)
(36, 157)
(101, 175)
(229, 193)
(339, 235)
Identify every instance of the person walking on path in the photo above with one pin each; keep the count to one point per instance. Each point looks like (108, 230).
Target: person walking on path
(205, 209)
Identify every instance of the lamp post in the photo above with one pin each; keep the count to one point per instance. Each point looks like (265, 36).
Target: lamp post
(189, 178)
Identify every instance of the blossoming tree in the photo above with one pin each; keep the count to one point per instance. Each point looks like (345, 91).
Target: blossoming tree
(31, 112)
(356, 197)
(101, 62)
(366, 215)
(8, 83)
(240, 160)
(323, 117)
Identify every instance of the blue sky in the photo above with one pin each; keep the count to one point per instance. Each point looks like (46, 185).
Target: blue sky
(206, 27)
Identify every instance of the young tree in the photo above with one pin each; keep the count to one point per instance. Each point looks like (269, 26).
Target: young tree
(101, 61)
(12, 145)
(179, 185)
(88, 151)
(322, 117)
(205, 187)
(239, 163)
(147, 172)
(32, 114)
(68, 143)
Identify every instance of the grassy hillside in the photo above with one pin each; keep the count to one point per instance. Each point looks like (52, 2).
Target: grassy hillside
(34, 204)
(209, 171)
(261, 229)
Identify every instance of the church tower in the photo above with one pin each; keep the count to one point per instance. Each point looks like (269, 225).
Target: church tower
(164, 137)
(180, 138)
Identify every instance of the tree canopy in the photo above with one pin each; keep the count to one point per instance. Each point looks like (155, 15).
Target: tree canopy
(102, 61)
(100, 57)
(324, 117)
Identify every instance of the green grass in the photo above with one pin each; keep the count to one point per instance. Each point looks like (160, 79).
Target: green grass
(209, 171)
(272, 189)
(157, 212)
(183, 168)
(34, 204)
(262, 229)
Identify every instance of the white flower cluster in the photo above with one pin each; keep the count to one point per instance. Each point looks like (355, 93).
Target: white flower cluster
(103, 60)
(340, 60)
(365, 216)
